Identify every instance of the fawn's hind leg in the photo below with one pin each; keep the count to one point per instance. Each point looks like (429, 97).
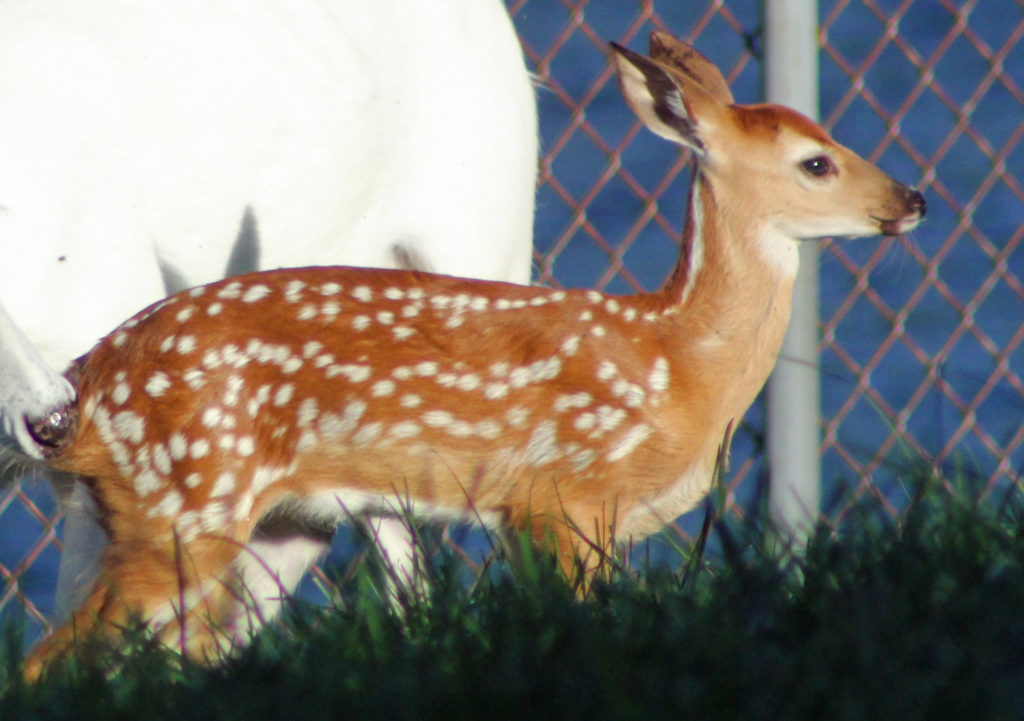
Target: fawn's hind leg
(184, 594)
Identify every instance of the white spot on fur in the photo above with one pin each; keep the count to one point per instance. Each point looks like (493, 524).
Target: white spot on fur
(169, 506)
(293, 291)
(333, 426)
(566, 401)
(308, 411)
(584, 421)
(609, 418)
(212, 417)
(368, 433)
(570, 345)
(266, 476)
(214, 517)
(235, 357)
(284, 394)
(224, 485)
(245, 446)
(517, 416)
(495, 391)
(606, 370)
(405, 429)
(658, 378)
(437, 419)
(194, 378)
(426, 369)
(355, 373)
(542, 448)
(255, 293)
(231, 291)
(235, 384)
(122, 392)
(199, 449)
(410, 400)
(488, 429)
(583, 458)
(382, 388)
(162, 459)
(361, 322)
(629, 441)
(311, 349)
(363, 293)
(212, 359)
(147, 482)
(129, 426)
(178, 446)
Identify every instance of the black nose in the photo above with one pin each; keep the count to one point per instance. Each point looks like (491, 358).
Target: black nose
(55, 430)
(915, 202)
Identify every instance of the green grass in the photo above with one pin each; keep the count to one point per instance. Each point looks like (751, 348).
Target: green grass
(917, 618)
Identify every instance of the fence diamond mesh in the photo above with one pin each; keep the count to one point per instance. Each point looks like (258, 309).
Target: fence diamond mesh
(921, 335)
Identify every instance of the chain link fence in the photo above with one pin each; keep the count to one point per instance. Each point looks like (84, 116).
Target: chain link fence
(921, 335)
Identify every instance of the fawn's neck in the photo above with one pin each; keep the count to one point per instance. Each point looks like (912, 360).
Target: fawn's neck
(730, 297)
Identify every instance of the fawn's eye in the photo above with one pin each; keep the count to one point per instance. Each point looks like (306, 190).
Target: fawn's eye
(818, 166)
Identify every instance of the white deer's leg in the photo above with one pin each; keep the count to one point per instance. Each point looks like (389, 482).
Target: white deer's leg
(84, 541)
(30, 390)
(403, 557)
(269, 569)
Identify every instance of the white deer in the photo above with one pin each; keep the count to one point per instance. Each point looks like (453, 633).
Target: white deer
(149, 145)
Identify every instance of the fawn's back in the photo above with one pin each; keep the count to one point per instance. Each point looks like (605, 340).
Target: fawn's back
(344, 391)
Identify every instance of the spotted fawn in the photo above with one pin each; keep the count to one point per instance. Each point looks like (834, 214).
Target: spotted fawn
(225, 431)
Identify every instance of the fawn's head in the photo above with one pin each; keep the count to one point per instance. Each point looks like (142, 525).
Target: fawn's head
(764, 161)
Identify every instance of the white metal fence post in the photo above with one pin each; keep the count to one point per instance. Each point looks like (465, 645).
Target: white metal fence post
(794, 392)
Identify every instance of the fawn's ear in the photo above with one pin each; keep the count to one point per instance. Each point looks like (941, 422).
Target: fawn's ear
(678, 93)
(667, 50)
